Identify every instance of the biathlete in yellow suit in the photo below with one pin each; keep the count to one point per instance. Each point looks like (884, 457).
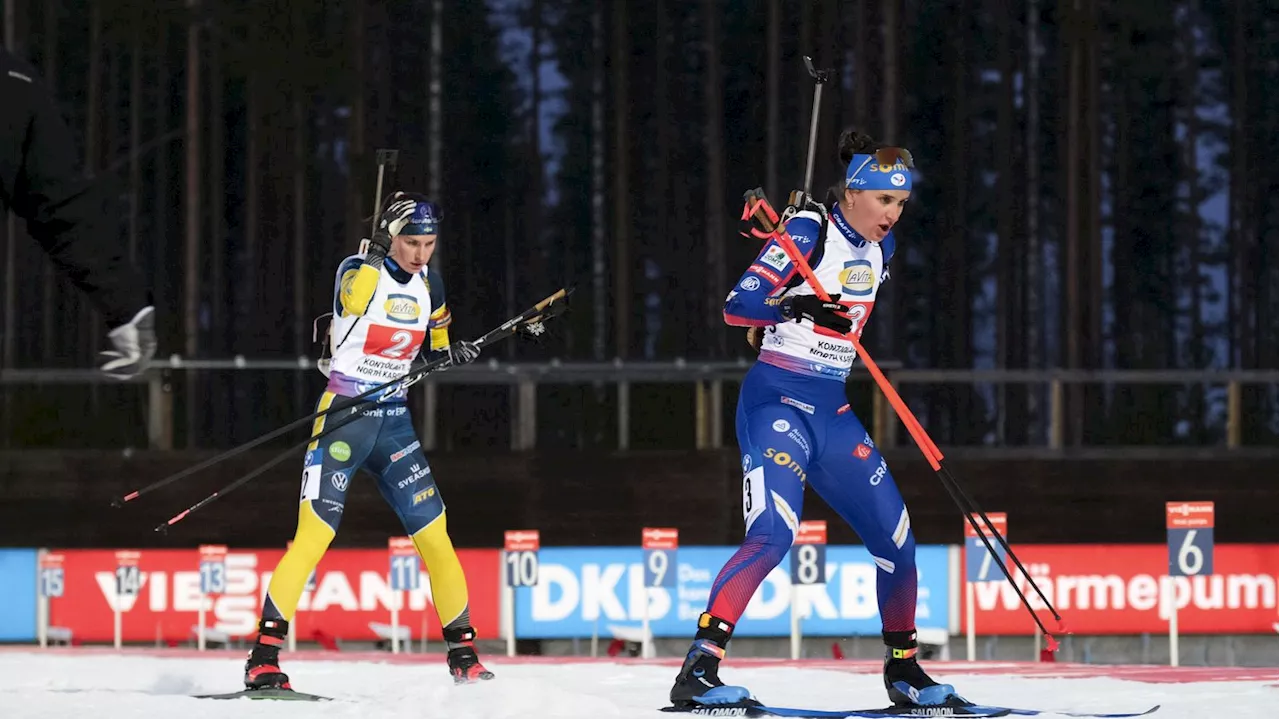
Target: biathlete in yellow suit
(386, 304)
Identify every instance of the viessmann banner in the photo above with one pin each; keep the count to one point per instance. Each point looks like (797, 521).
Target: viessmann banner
(599, 589)
(1115, 589)
(352, 590)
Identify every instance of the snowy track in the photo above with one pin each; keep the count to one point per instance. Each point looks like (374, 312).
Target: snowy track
(104, 684)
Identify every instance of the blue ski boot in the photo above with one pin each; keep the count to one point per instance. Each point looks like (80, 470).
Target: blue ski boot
(905, 681)
(698, 683)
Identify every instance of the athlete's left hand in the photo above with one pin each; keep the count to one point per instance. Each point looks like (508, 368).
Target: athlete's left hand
(804, 202)
(462, 352)
(134, 345)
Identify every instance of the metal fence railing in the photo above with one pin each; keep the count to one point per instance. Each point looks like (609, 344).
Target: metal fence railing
(1056, 401)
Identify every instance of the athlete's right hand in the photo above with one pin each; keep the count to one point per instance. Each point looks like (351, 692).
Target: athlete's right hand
(390, 223)
(395, 217)
(831, 315)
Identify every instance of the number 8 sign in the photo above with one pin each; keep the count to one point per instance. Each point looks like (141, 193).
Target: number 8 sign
(1190, 527)
(809, 555)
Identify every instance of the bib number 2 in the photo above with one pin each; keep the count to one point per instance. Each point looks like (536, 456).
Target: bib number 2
(393, 342)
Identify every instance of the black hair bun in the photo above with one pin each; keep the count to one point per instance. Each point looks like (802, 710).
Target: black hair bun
(853, 143)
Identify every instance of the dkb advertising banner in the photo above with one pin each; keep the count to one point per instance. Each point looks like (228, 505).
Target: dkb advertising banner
(582, 591)
(18, 598)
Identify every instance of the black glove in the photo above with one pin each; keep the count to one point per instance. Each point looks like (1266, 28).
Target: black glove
(830, 315)
(390, 223)
(462, 352)
(135, 345)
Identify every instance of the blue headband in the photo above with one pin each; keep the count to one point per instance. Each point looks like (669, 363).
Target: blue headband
(869, 172)
(424, 221)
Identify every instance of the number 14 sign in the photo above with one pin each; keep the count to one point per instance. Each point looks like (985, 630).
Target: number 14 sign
(1190, 526)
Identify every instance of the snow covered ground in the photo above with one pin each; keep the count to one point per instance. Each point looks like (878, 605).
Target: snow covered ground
(104, 684)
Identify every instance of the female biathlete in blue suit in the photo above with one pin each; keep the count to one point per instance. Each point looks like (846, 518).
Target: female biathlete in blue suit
(794, 426)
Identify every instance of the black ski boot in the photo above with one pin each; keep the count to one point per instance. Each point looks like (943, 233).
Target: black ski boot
(905, 681)
(262, 670)
(700, 673)
(464, 664)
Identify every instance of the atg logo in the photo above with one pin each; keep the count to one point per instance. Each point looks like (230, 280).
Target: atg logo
(857, 279)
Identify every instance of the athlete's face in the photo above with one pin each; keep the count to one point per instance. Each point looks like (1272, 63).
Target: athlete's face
(413, 252)
(874, 212)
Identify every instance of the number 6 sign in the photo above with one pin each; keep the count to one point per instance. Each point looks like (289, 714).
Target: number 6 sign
(1190, 526)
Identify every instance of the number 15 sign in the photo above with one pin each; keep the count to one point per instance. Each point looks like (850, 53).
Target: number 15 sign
(1190, 526)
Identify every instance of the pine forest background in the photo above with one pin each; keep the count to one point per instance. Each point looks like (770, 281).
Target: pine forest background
(1097, 189)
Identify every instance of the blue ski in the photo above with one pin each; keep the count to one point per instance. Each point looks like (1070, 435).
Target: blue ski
(753, 710)
(1083, 715)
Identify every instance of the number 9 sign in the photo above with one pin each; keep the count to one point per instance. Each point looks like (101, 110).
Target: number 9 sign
(1190, 527)
(659, 545)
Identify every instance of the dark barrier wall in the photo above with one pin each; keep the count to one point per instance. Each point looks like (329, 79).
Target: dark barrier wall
(63, 499)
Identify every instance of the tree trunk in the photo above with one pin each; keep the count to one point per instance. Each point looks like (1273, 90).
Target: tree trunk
(48, 276)
(535, 233)
(715, 179)
(1237, 315)
(356, 128)
(191, 264)
(435, 115)
(300, 91)
(1033, 313)
(217, 208)
(135, 133)
(599, 289)
(82, 310)
(1092, 422)
(1070, 265)
(662, 180)
(248, 291)
(160, 251)
(11, 247)
(1122, 224)
(621, 184)
(861, 62)
(956, 337)
(1197, 358)
(1006, 260)
(773, 100)
(301, 336)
